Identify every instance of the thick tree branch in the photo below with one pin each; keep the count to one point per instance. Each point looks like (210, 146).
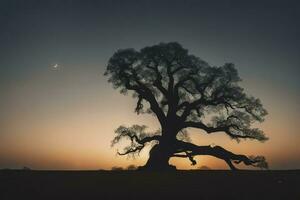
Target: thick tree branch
(225, 128)
(223, 154)
(158, 81)
(200, 125)
(146, 94)
(189, 106)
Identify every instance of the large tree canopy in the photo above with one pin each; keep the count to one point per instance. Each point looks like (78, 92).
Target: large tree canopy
(183, 92)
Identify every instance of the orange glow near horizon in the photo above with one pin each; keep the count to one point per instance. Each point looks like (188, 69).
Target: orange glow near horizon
(73, 129)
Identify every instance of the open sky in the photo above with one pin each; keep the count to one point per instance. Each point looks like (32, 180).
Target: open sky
(65, 117)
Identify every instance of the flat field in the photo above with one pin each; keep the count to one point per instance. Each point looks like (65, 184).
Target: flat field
(129, 185)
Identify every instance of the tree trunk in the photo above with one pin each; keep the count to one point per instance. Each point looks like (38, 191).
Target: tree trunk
(161, 153)
(158, 160)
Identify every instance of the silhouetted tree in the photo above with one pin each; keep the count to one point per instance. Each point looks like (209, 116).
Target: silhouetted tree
(183, 92)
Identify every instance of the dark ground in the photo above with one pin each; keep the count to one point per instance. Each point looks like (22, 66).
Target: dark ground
(269, 185)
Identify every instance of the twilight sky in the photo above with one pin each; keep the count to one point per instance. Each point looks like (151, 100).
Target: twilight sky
(65, 118)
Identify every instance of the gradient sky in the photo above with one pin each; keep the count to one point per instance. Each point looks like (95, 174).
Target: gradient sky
(65, 118)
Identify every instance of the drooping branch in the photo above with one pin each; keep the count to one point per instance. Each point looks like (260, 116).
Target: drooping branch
(186, 155)
(139, 104)
(137, 136)
(131, 150)
(221, 153)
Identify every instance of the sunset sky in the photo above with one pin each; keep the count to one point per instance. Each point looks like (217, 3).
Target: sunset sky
(59, 112)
